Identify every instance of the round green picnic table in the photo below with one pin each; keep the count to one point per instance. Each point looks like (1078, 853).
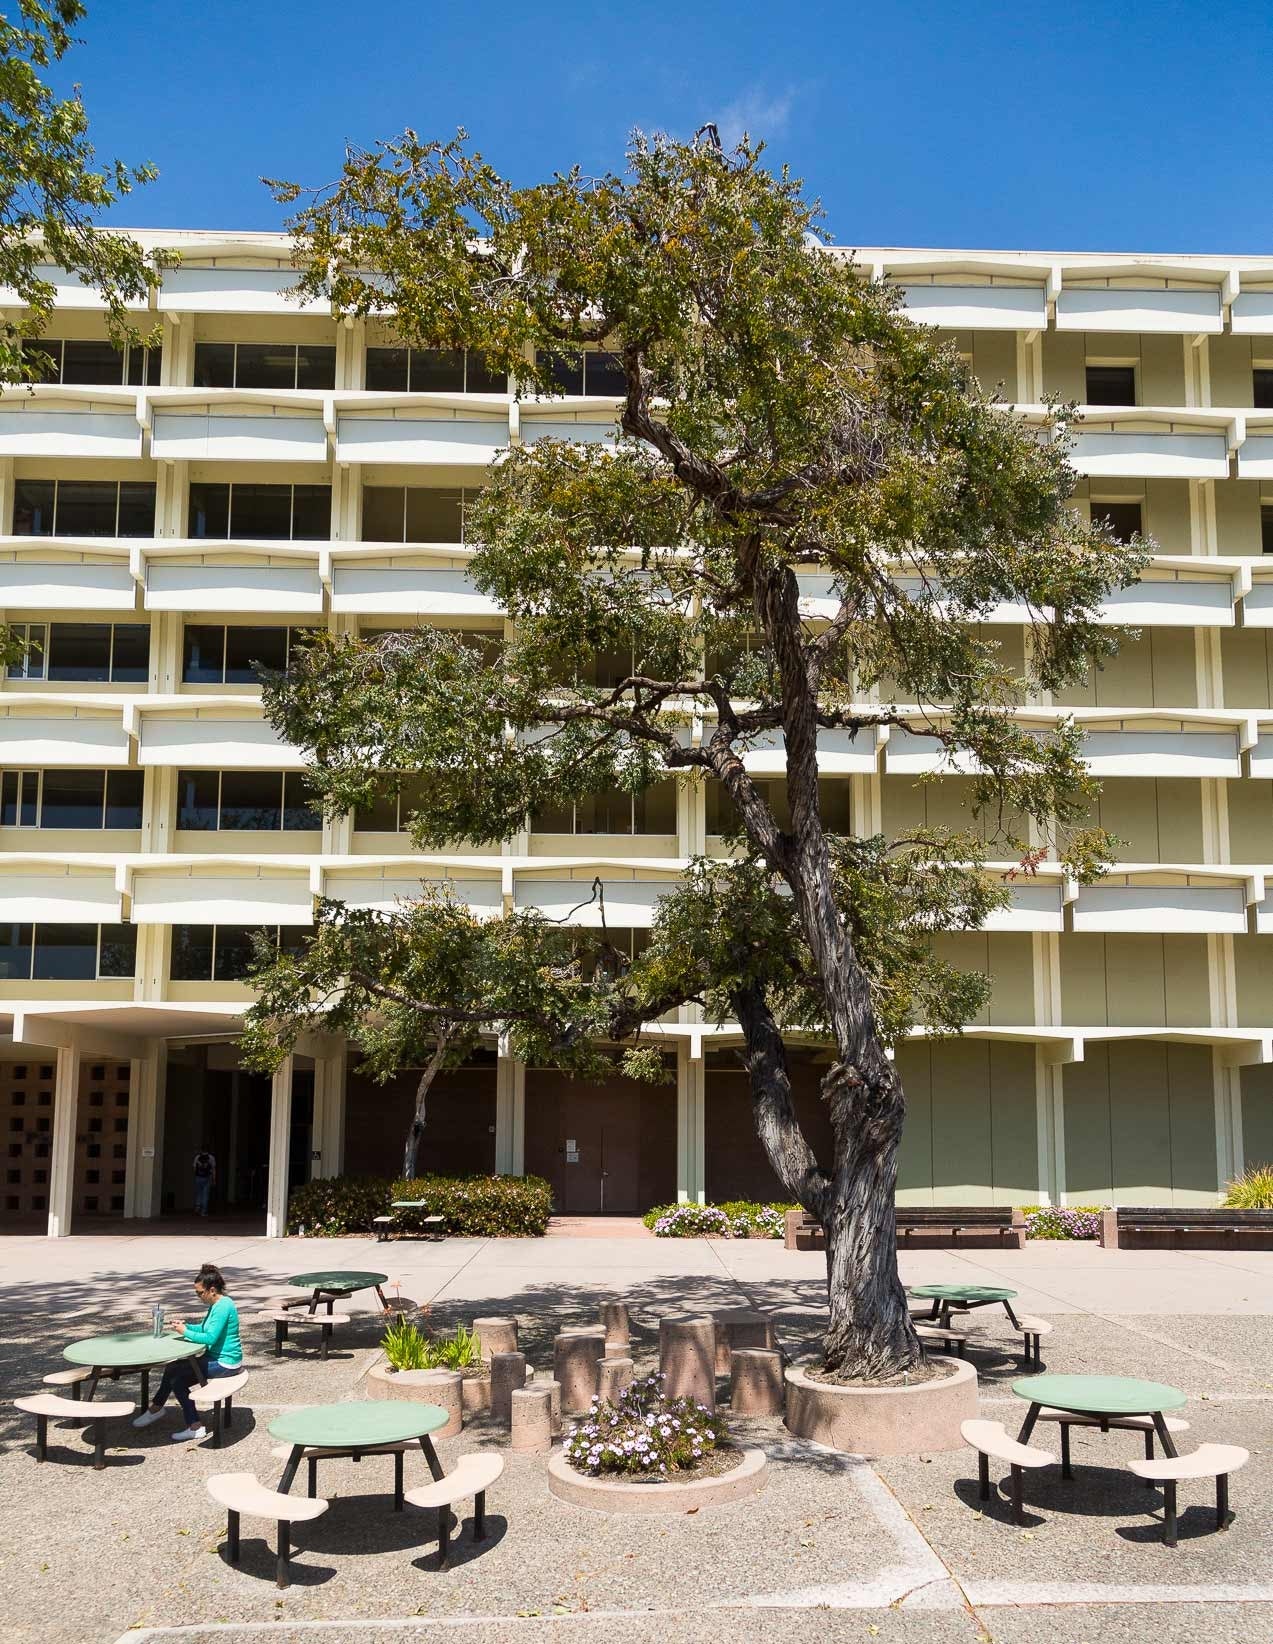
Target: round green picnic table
(124, 1352)
(354, 1428)
(327, 1285)
(965, 1297)
(1100, 1397)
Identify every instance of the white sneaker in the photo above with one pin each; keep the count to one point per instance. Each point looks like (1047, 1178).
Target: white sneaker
(146, 1417)
(188, 1435)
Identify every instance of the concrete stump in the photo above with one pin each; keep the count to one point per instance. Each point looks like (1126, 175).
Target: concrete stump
(614, 1321)
(508, 1373)
(756, 1387)
(575, 1365)
(531, 1420)
(616, 1374)
(687, 1358)
(553, 1389)
(741, 1327)
(495, 1336)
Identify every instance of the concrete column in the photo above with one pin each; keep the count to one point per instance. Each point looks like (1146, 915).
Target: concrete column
(1049, 1085)
(280, 1139)
(66, 1101)
(1230, 1152)
(691, 816)
(329, 1111)
(510, 1114)
(691, 1082)
(143, 1179)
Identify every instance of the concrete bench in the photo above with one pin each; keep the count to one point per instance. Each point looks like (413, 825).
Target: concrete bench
(1195, 1228)
(47, 1406)
(284, 1321)
(930, 1332)
(312, 1456)
(1127, 1424)
(988, 1438)
(1207, 1461)
(214, 1395)
(955, 1220)
(473, 1476)
(243, 1493)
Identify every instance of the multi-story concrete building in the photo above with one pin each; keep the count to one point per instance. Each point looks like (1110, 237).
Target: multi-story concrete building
(169, 519)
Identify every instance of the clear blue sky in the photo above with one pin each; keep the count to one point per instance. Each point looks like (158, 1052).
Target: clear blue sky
(1075, 126)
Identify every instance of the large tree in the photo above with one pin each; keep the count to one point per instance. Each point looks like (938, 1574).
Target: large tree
(779, 418)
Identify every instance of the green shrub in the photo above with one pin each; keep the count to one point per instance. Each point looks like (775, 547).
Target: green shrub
(408, 1348)
(655, 1211)
(405, 1346)
(1252, 1190)
(480, 1206)
(742, 1219)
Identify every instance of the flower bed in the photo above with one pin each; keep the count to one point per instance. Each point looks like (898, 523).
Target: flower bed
(479, 1206)
(1075, 1221)
(735, 1219)
(644, 1434)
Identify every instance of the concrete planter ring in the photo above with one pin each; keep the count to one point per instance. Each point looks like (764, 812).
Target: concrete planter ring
(613, 1494)
(884, 1421)
(440, 1387)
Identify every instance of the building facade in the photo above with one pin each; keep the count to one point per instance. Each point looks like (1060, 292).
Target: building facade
(169, 518)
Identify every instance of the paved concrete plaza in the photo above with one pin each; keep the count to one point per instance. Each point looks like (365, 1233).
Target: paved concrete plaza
(835, 1548)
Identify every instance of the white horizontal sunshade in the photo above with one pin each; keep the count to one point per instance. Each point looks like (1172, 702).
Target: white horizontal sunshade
(408, 590)
(27, 740)
(71, 292)
(1034, 906)
(1188, 908)
(1171, 604)
(384, 895)
(627, 903)
(1162, 753)
(59, 899)
(560, 428)
(1114, 309)
(69, 434)
(28, 584)
(977, 307)
(215, 744)
(1151, 456)
(911, 753)
(1013, 614)
(1253, 314)
(473, 440)
(1257, 606)
(190, 290)
(177, 897)
(840, 753)
(204, 437)
(1255, 457)
(1262, 756)
(232, 588)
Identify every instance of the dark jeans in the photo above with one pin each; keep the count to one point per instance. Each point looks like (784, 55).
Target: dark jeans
(180, 1376)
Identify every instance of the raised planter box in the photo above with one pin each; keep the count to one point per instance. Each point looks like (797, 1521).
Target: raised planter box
(883, 1421)
(617, 1495)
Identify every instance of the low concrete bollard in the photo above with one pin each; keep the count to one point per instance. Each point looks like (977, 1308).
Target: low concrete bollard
(687, 1358)
(614, 1321)
(616, 1374)
(553, 1389)
(508, 1373)
(576, 1356)
(530, 1420)
(495, 1336)
(756, 1387)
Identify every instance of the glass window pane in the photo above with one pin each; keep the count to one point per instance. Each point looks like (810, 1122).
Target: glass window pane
(33, 508)
(136, 509)
(197, 800)
(656, 809)
(1122, 518)
(30, 785)
(553, 819)
(1262, 388)
(92, 362)
(65, 953)
(251, 801)
(604, 374)
(387, 371)
(1111, 385)
(79, 650)
(130, 663)
(261, 511)
(381, 817)
(15, 952)
(567, 372)
(299, 809)
(214, 365)
(482, 378)
(437, 370)
(382, 513)
(9, 800)
(316, 365)
(209, 511)
(72, 799)
(45, 355)
(266, 365)
(234, 953)
(203, 655)
(191, 953)
(433, 514)
(312, 513)
(123, 798)
(246, 649)
(86, 508)
(117, 955)
(833, 800)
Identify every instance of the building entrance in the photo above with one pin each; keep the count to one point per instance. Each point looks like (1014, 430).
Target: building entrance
(607, 1149)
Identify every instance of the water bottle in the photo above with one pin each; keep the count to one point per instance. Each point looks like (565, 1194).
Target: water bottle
(157, 1320)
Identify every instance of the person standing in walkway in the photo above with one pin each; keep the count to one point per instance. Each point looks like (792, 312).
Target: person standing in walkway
(205, 1179)
(218, 1334)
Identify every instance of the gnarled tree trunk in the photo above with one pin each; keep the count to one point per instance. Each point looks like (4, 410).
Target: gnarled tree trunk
(415, 1130)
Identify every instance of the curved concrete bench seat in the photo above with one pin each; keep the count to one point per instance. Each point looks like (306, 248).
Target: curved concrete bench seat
(1207, 1461)
(216, 1395)
(472, 1476)
(46, 1406)
(243, 1493)
(988, 1438)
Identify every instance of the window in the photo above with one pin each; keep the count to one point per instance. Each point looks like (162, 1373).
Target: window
(431, 371)
(414, 513)
(77, 361)
(71, 799)
(271, 513)
(589, 371)
(1122, 519)
(83, 508)
(610, 951)
(1262, 388)
(245, 802)
(66, 953)
(1111, 385)
(117, 653)
(833, 800)
(614, 811)
(217, 654)
(391, 812)
(1266, 527)
(264, 365)
(222, 953)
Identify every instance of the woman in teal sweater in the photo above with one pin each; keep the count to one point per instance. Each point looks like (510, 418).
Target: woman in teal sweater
(218, 1334)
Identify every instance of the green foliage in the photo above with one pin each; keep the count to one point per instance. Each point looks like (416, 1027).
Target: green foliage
(643, 1432)
(735, 1218)
(1071, 1221)
(476, 1206)
(337, 1205)
(407, 1348)
(405, 1345)
(1252, 1190)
